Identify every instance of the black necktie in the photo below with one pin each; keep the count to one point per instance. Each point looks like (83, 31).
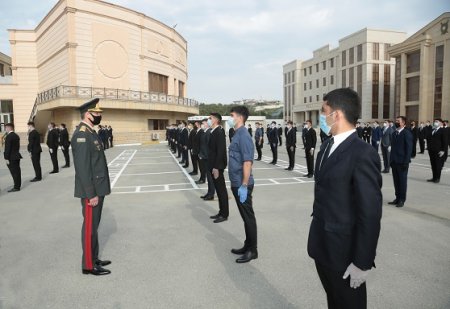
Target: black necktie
(327, 152)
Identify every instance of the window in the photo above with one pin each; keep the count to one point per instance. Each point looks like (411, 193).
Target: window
(332, 63)
(285, 78)
(310, 99)
(332, 79)
(344, 79)
(344, 58)
(310, 70)
(386, 53)
(157, 83)
(304, 100)
(413, 62)
(397, 85)
(304, 72)
(351, 79)
(285, 95)
(310, 84)
(438, 75)
(289, 77)
(157, 124)
(2, 69)
(324, 81)
(359, 83)
(304, 86)
(6, 107)
(359, 53)
(386, 90)
(412, 88)
(375, 89)
(317, 83)
(293, 76)
(317, 98)
(375, 51)
(180, 89)
(292, 95)
(351, 55)
(317, 67)
(324, 65)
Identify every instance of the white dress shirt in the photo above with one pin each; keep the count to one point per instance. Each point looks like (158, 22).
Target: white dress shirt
(340, 138)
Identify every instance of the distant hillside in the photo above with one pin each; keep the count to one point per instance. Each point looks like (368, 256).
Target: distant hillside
(256, 110)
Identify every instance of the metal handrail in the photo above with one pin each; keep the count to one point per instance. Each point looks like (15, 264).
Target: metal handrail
(111, 94)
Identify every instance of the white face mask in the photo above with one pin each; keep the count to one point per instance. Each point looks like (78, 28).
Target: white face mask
(436, 124)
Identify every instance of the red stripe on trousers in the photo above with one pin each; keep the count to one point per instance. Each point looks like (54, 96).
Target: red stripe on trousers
(88, 234)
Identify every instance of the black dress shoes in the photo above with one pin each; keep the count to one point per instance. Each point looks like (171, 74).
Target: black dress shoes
(215, 216)
(193, 173)
(394, 202)
(310, 175)
(199, 182)
(385, 172)
(220, 219)
(54, 172)
(288, 169)
(258, 159)
(248, 256)
(185, 166)
(102, 263)
(66, 166)
(208, 198)
(400, 204)
(430, 180)
(35, 179)
(273, 163)
(239, 251)
(96, 271)
(14, 190)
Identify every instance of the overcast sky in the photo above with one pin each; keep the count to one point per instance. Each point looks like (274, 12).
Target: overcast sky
(236, 48)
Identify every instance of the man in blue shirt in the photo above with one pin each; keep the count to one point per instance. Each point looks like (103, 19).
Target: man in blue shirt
(240, 163)
(259, 136)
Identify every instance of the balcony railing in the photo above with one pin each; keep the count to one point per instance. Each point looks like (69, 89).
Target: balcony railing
(111, 94)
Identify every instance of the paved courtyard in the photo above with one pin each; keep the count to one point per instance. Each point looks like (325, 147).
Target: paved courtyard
(167, 253)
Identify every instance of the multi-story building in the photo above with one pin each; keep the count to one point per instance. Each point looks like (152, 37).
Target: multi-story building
(360, 62)
(90, 48)
(422, 73)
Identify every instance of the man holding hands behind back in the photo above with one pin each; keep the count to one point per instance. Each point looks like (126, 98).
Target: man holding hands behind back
(241, 154)
(347, 207)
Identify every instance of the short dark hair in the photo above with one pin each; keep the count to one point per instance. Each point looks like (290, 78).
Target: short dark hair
(184, 122)
(345, 100)
(309, 121)
(30, 123)
(289, 122)
(216, 115)
(204, 120)
(241, 110)
(438, 119)
(52, 124)
(10, 124)
(273, 122)
(63, 125)
(403, 118)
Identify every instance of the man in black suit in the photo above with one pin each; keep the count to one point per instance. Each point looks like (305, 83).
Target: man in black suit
(415, 134)
(177, 143)
(386, 140)
(184, 140)
(34, 149)
(230, 134)
(437, 148)
(259, 140)
(273, 140)
(196, 150)
(359, 130)
(204, 162)
(347, 207)
(291, 144)
(65, 143)
(310, 145)
(280, 134)
(422, 136)
(447, 130)
(53, 143)
(12, 156)
(191, 145)
(111, 136)
(217, 158)
(401, 150)
(250, 130)
(367, 133)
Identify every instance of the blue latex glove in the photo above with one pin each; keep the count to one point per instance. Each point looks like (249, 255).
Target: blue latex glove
(242, 193)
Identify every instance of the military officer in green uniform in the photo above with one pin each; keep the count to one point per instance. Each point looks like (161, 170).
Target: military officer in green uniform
(91, 184)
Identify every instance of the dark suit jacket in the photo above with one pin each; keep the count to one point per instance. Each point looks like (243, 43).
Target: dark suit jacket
(401, 147)
(273, 136)
(291, 138)
(217, 154)
(196, 141)
(184, 137)
(204, 144)
(64, 138)
(438, 141)
(53, 139)
(191, 138)
(34, 142)
(12, 147)
(310, 139)
(347, 206)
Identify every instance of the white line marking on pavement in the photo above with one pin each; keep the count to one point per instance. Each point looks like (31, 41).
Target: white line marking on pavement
(149, 186)
(159, 157)
(143, 174)
(131, 154)
(191, 180)
(151, 163)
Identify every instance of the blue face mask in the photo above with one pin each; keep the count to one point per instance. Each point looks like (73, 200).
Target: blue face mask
(209, 123)
(231, 122)
(323, 123)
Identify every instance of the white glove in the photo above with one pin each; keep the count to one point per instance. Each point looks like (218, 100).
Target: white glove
(378, 143)
(357, 276)
(51, 150)
(441, 153)
(311, 151)
(389, 148)
(7, 162)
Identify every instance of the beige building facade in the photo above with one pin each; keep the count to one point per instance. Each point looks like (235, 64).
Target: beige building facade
(360, 62)
(82, 49)
(422, 74)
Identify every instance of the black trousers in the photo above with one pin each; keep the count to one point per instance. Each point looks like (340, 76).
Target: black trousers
(111, 142)
(339, 293)
(180, 150)
(65, 151)
(414, 146)
(194, 159)
(281, 140)
(185, 156)
(291, 156)
(89, 234)
(422, 144)
(400, 175)
(386, 157)
(16, 173)
(248, 216)
(36, 160)
(222, 194)
(211, 188)
(309, 161)
(54, 157)
(274, 148)
(258, 149)
(437, 163)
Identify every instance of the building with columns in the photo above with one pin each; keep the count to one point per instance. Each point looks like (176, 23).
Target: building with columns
(422, 73)
(361, 62)
(82, 49)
